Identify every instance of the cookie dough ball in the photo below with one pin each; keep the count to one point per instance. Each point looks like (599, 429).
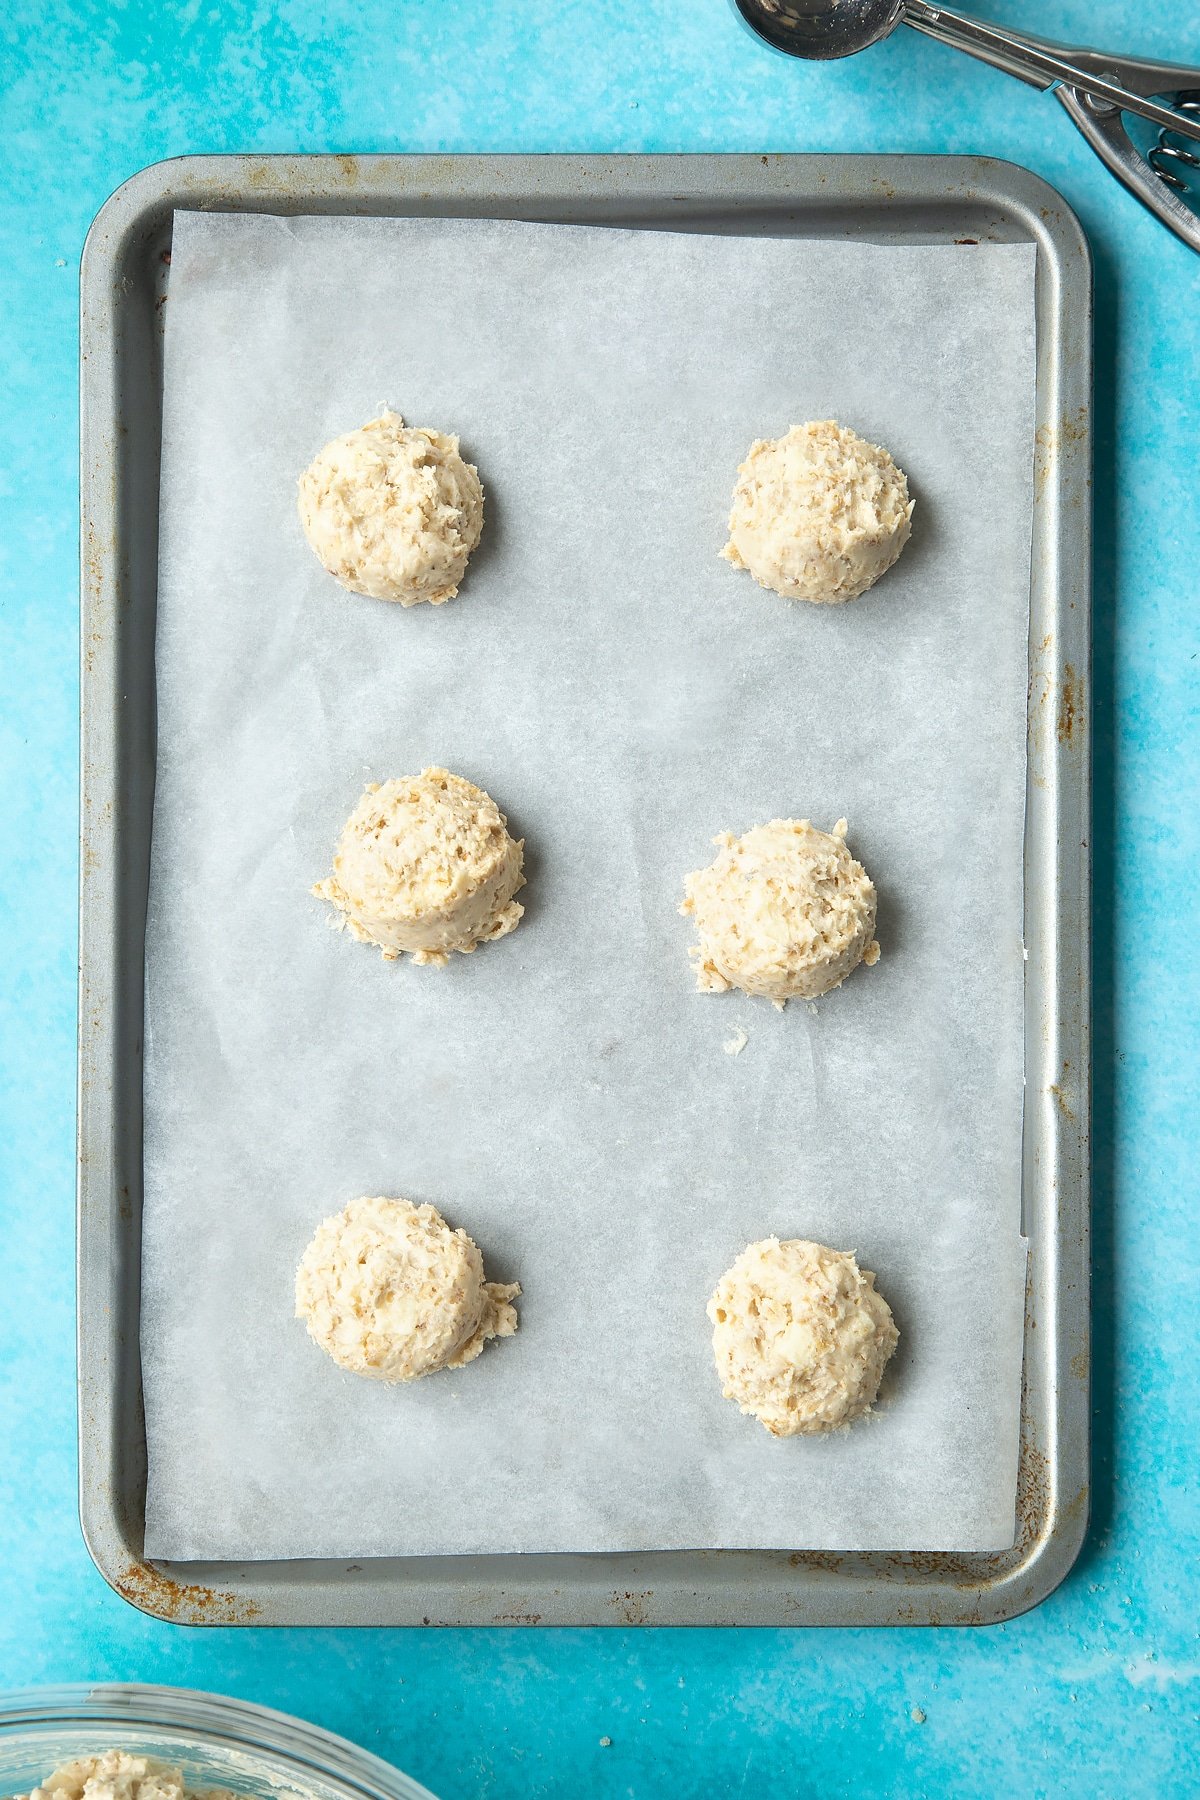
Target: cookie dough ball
(388, 1290)
(819, 514)
(800, 1336)
(784, 911)
(393, 511)
(426, 865)
(119, 1775)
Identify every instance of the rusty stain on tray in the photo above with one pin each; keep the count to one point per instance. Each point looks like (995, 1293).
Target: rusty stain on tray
(1068, 704)
(632, 1607)
(1033, 1494)
(95, 559)
(817, 1559)
(188, 1603)
(1050, 441)
(1057, 1089)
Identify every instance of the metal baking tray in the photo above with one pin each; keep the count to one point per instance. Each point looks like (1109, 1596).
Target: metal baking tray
(883, 199)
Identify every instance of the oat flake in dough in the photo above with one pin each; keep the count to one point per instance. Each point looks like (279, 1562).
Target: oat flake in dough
(388, 1290)
(800, 1336)
(393, 511)
(784, 911)
(119, 1775)
(819, 514)
(425, 866)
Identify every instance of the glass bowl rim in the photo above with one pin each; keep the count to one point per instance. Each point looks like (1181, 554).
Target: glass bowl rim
(242, 1725)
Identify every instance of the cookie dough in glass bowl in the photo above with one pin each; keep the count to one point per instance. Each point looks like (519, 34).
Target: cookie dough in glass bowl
(210, 1742)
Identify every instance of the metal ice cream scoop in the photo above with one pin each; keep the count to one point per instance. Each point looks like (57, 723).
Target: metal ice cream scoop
(1096, 89)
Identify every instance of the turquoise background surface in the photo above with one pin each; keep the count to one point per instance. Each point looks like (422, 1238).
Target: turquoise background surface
(1097, 1693)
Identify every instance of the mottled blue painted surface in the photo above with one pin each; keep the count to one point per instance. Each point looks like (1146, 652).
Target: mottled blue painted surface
(1096, 1693)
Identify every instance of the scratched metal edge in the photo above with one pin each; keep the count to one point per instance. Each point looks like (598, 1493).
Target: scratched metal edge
(880, 197)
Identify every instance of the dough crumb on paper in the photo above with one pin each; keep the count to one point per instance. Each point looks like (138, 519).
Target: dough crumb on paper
(734, 1045)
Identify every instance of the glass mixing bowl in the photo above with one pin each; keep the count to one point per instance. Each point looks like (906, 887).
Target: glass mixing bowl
(217, 1742)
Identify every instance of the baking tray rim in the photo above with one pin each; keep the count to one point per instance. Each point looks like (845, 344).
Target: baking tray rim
(869, 196)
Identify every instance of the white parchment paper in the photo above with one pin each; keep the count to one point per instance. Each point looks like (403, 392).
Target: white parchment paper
(623, 694)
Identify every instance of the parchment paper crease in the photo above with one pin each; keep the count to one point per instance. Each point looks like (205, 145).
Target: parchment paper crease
(624, 695)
